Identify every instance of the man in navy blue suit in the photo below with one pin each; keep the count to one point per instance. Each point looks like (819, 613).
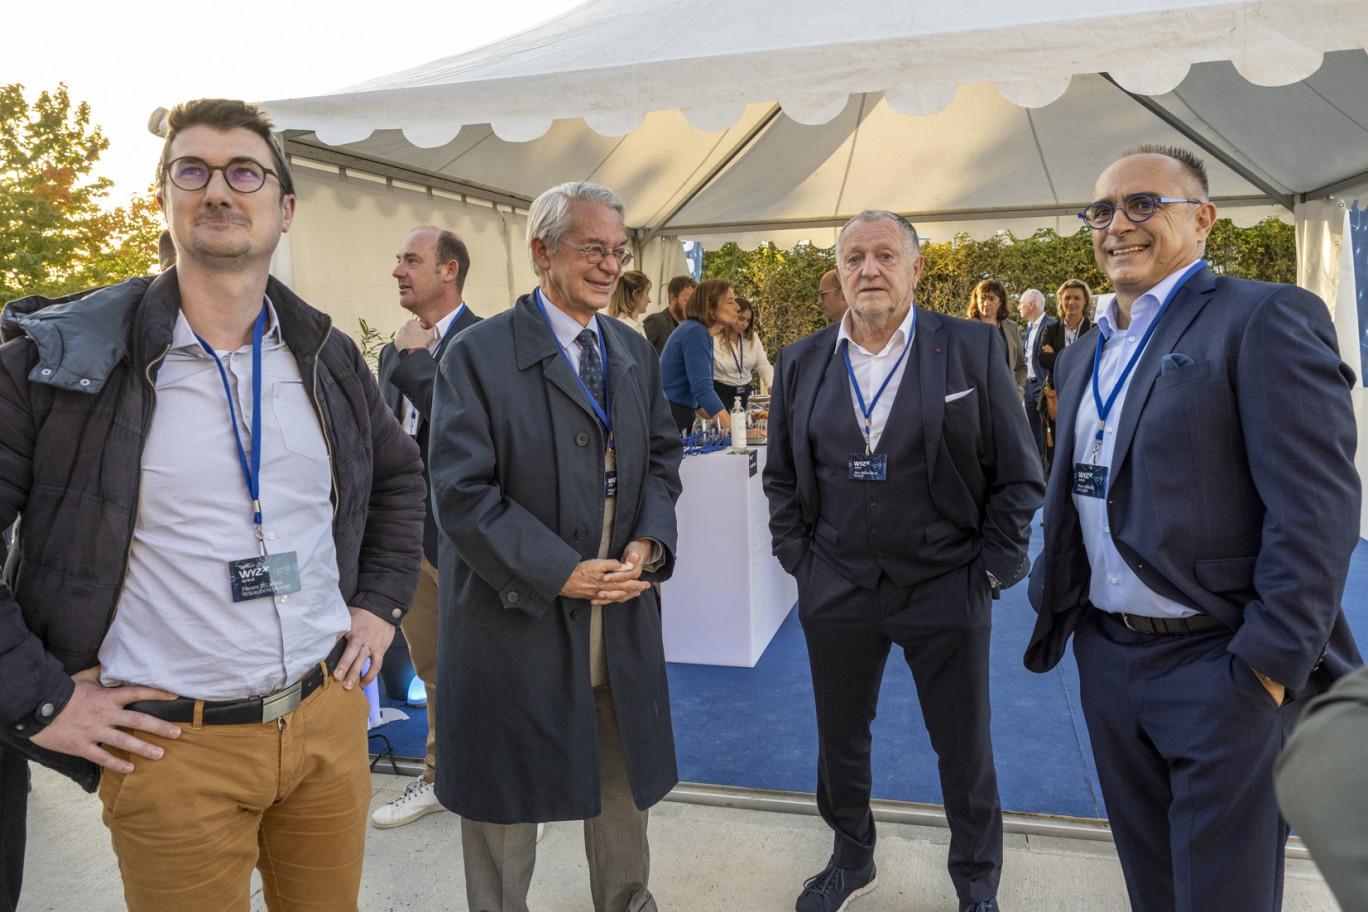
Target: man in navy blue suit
(902, 481)
(1032, 307)
(1198, 530)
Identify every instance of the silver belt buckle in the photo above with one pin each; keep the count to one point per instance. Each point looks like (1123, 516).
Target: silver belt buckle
(275, 705)
(1125, 619)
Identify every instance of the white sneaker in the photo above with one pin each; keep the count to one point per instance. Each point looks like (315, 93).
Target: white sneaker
(419, 798)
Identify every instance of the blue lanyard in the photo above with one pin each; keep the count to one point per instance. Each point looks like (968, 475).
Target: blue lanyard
(251, 474)
(603, 415)
(868, 411)
(1104, 408)
(443, 336)
(739, 356)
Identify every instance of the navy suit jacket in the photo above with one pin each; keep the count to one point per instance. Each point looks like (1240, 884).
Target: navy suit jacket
(1046, 322)
(1232, 487)
(984, 474)
(414, 376)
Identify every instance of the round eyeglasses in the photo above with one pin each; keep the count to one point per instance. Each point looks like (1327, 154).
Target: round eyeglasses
(597, 253)
(1138, 208)
(245, 175)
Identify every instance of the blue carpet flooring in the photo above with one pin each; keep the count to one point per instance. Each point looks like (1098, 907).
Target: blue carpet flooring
(755, 727)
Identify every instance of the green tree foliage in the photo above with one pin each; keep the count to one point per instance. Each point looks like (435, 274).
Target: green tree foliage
(55, 235)
(780, 284)
(783, 283)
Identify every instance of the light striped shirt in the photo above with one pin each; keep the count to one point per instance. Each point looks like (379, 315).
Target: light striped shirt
(176, 625)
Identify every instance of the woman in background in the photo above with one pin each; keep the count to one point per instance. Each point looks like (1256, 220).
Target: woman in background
(631, 296)
(737, 353)
(686, 363)
(989, 305)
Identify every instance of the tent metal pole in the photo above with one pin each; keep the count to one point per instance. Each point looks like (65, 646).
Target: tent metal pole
(295, 146)
(1353, 180)
(717, 169)
(1284, 199)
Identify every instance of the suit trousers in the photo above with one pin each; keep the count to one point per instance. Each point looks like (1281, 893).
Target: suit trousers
(420, 631)
(1031, 401)
(499, 857)
(14, 787)
(1185, 738)
(943, 627)
(288, 797)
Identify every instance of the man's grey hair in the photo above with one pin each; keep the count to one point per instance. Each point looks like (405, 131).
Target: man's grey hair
(549, 217)
(879, 215)
(1032, 294)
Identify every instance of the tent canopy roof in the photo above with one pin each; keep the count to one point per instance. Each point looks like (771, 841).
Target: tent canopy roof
(712, 118)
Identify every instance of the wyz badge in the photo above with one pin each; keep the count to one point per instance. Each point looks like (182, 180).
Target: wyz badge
(1089, 480)
(869, 467)
(258, 577)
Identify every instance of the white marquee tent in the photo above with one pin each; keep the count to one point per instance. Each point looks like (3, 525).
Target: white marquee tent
(759, 120)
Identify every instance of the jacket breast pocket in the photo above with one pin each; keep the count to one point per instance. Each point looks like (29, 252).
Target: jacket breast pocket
(1180, 374)
(294, 415)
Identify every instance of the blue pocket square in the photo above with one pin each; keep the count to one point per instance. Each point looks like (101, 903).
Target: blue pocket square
(1173, 361)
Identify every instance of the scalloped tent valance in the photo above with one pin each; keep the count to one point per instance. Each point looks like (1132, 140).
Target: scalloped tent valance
(752, 118)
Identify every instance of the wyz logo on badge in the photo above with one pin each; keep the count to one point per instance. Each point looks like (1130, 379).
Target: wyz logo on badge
(259, 577)
(873, 467)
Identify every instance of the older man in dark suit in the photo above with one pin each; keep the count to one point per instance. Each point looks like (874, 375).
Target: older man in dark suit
(431, 272)
(1198, 530)
(1074, 298)
(902, 480)
(555, 474)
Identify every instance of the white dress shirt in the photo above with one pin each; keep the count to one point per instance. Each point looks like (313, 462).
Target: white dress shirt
(1032, 333)
(870, 370)
(412, 420)
(176, 625)
(751, 356)
(1114, 586)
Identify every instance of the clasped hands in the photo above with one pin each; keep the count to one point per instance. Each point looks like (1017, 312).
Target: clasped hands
(605, 581)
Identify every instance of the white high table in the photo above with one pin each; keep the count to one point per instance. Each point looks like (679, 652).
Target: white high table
(728, 594)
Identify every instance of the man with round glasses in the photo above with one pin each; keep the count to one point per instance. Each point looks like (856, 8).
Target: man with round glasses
(222, 524)
(1202, 511)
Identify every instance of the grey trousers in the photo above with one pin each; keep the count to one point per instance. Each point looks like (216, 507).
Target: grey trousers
(499, 857)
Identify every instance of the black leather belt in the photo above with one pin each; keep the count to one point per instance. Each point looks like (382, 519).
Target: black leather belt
(251, 710)
(1166, 626)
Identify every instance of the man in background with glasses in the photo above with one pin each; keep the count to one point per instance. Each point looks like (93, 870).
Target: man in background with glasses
(1199, 522)
(555, 470)
(222, 525)
(830, 299)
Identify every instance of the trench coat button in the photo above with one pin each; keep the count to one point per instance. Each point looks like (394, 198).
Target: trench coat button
(397, 613)
(512, 596)
(19, 726)
(85, 382)
(574, 615)
(873, 530)
(581, 439)
(46, 709)
(581, 534)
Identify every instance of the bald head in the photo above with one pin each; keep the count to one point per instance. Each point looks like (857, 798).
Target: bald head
(829, 296)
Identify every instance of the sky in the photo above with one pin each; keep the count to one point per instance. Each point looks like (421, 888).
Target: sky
(126, 60)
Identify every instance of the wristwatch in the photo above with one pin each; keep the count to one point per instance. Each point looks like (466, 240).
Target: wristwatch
(993, 580)
(405, 352)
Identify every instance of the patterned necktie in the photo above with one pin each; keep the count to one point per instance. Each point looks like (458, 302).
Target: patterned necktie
(591, 366)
